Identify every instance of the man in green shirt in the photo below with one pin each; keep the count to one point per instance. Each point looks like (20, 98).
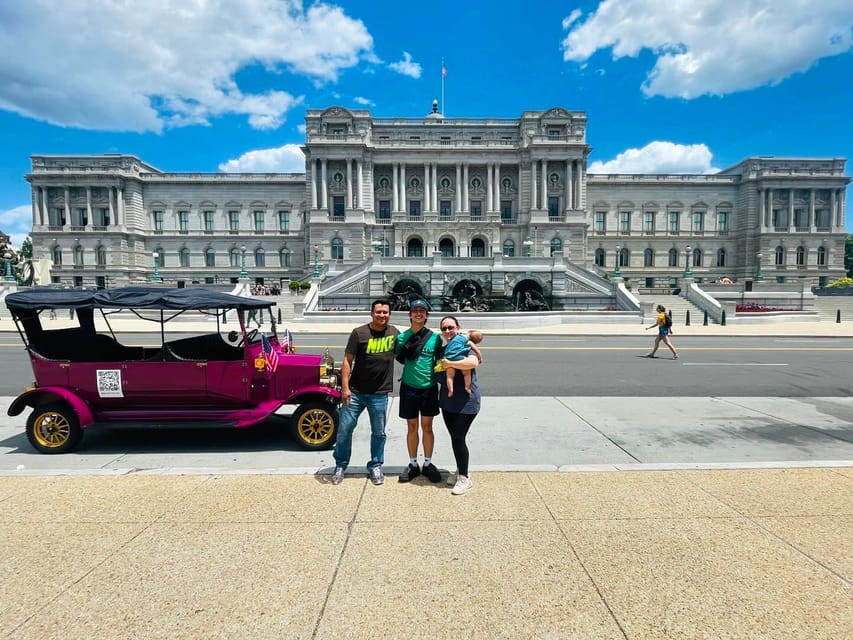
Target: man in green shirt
(416, 350)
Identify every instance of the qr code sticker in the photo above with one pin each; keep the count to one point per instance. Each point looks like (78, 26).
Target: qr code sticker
(109, 383)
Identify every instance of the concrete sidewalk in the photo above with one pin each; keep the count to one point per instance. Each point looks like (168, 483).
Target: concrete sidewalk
(678, 554)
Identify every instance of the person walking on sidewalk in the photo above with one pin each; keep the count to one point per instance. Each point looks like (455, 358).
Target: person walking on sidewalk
(460, 408)
(664, 325)
(416, 349)
(367, 377)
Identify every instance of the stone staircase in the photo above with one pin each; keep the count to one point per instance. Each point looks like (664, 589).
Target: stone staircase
(677, 305)
(828, 306)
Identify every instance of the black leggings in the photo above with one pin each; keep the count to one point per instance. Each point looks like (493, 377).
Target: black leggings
(457, 426)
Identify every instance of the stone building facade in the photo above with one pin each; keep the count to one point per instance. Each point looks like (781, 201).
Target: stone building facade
(461, 187)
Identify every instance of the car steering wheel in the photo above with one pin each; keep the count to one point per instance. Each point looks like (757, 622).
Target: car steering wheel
(250, 337)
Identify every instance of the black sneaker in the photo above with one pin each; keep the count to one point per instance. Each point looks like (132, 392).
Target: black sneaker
(410, 473)
(432, 473)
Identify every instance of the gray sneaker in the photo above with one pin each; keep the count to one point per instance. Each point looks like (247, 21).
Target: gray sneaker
(338, 476)
(376, 476)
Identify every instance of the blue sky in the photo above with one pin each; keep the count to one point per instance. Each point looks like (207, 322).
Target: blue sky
(682, 86)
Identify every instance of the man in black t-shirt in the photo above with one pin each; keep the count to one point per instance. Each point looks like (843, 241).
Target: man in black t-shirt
(367, 377)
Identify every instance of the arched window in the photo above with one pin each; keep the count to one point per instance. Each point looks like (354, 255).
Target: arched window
(801, 256)
(445, 246)
(209, 257)
(337, 249)
(284, 257)
(697, 257)
(821, 256)
(779, 255)
(599, 257)
(184, 256)
(478, 248)
(414, 248)
(509, 248)
(624, 257)
(721, 257)
(649, 257)
(673, 258)
(260, 257)
(57, 255)
(101, 256)
(234, 257)
(556, 245)
(78, 256)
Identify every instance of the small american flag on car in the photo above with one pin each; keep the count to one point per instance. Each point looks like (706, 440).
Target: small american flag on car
(270, 354)
(286, 340)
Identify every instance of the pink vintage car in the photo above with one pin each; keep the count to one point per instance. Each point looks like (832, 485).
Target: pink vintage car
(84, 376)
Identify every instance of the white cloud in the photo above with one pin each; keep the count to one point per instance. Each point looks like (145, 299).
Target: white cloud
(659, 157)
(17, 223)
(286, 159)
(113, 66)
(363, 101)
(713, 46)
(406, 66)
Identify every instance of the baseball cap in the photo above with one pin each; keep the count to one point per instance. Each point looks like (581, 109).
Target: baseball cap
(418, 302)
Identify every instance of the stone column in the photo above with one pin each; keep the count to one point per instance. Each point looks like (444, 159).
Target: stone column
(67, 207)
(395, 188)
(349, 204)
(427, 188)
(111, 205)
(490, 197)
(120, 209)
(466, 206)
(435, 185)
(458, 187)
(543, 180)
(790, 211)
(762, 209)
(313, 183)
(770, 221)
(569, 177)
(45, 207)
(404, 205)
(359, 172)
(812, 222)
(533, 183)
(324, 184)
(497, 188)
(89, 207)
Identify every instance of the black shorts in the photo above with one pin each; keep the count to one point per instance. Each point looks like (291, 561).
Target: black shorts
(418, 402)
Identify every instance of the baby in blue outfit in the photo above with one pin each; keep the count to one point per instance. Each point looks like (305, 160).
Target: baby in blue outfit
(458, 348)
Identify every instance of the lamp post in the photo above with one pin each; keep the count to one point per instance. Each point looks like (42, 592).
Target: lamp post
(688, 273)
(617, 271)
(7, 276)
(758, 275)
(316, 263)
(156, 275)
(243, 272)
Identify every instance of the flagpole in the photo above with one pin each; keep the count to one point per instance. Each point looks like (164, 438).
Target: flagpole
(443, 73)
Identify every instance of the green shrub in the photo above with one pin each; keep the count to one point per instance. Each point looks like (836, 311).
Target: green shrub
(294, 285)
(304, 285)
(841, 282)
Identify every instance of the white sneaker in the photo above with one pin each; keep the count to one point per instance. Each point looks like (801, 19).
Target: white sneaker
(451, 479)
(462, 485)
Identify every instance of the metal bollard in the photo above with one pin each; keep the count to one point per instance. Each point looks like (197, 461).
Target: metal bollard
(838, 315)
(279, 316)
(723, 319)
(687, 323)
(705, 319)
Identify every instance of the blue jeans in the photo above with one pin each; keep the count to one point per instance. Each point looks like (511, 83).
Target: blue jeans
(376, 405)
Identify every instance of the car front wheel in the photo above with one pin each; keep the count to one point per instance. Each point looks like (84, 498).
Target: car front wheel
(315, 425)
(54, 428)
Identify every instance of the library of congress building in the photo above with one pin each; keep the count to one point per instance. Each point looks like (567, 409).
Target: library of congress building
(412, 188)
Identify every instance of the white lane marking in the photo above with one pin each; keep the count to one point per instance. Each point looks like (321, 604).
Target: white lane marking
(806, 340)
(735, 364)
(554, 340)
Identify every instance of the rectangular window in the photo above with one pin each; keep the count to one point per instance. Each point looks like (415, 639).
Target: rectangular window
(414, 208)
(553, 133)
(158, 221)
(674, 222)
(234, 221)
(444, 208)
(59, 217)
(384, 209)
(698, 221)
(260, 259)
(600, 221)
(506, 210)
(476, 139)
(415, 138)
(476, 208)
(338, 206)
(184, 257)
(183, 221)
(822, 220)
(553, 206)
(723, 223)
(445, 141)
(209, 258)
(624, 222)
(208, 221)
(259, 221)
(82, 217)
(284, 221)
(649, 223)
(801, 219)
(104, 217)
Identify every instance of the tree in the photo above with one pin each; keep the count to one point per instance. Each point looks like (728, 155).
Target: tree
(27, 249)
(848, 255)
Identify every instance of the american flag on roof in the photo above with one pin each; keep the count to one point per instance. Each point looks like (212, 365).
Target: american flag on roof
(285, 340)
(270, 354)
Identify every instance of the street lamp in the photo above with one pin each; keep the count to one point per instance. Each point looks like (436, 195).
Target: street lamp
(758, 275)
(8, 277)
(243, 272)
(617, 271)
(156, 276)
(316, 263)
(688, 273)
(528, 243)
